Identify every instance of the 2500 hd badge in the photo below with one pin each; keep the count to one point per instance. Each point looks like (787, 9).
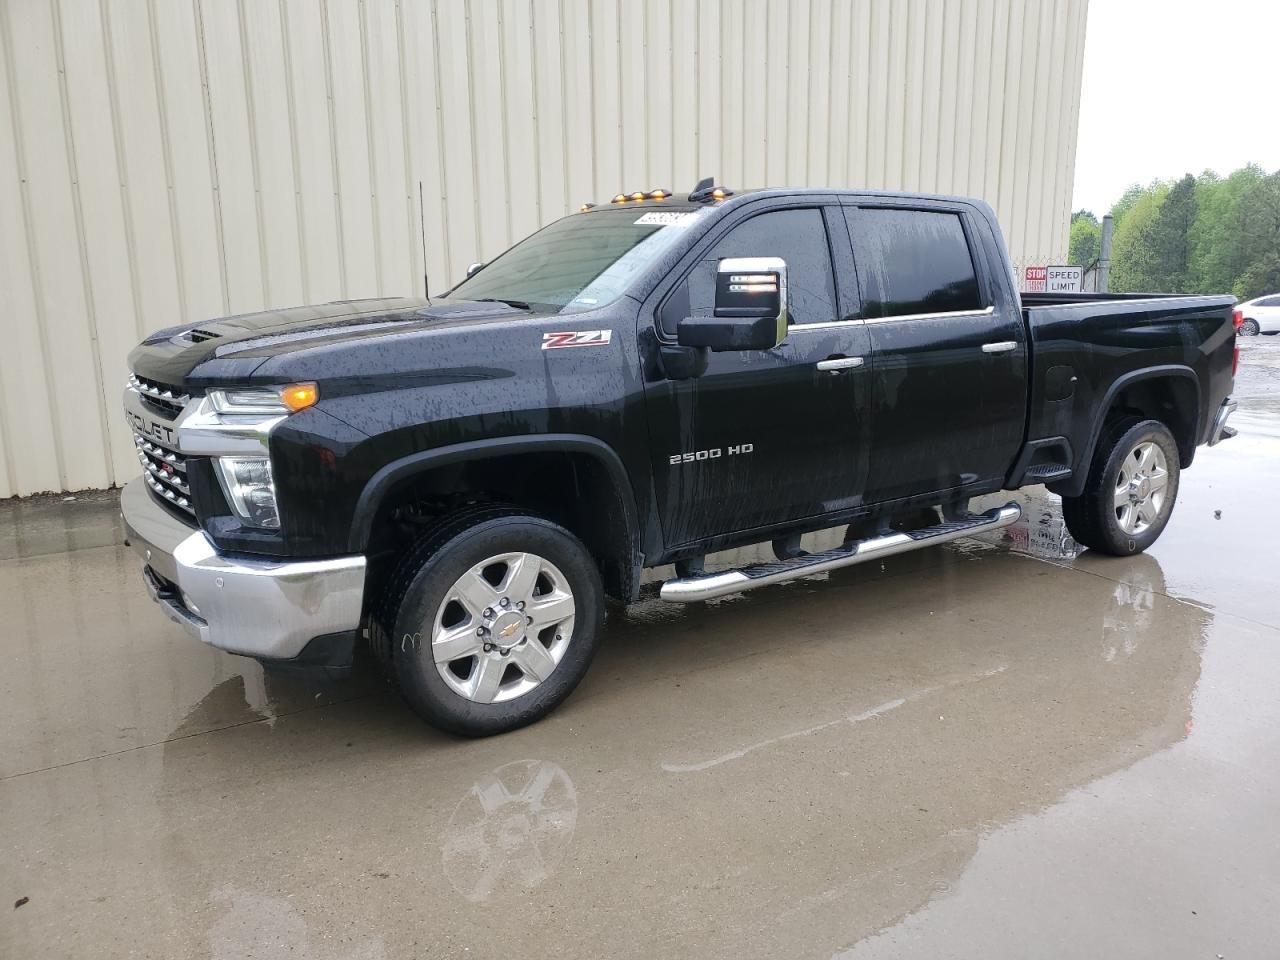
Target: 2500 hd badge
(713, 453)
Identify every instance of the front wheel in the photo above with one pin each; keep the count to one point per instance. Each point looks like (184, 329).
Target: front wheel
(492, 621)
(1130, 492)
(1249, 328)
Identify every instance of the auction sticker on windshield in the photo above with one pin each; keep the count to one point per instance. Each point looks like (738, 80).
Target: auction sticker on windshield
(660, 218)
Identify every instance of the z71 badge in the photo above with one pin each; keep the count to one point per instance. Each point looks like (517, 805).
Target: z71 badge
(580, 338)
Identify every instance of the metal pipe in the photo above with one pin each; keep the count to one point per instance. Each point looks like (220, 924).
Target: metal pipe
(1104, 258)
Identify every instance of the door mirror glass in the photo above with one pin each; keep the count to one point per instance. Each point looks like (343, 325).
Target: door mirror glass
(750, 307)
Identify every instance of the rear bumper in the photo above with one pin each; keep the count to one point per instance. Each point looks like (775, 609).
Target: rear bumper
(258, 608)
(1220, 431)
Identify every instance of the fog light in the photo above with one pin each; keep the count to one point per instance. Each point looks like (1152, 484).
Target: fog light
(250, 489)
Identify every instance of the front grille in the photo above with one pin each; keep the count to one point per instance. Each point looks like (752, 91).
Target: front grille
(168, 399)
(164, 468)
(165, 471)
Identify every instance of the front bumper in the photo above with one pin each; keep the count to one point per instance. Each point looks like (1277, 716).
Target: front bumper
(258, 608)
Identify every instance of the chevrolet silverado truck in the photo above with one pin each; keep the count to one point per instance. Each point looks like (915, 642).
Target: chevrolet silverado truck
(461, 481)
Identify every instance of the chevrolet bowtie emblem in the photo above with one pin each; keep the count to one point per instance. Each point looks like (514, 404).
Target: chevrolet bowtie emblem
(508, 630)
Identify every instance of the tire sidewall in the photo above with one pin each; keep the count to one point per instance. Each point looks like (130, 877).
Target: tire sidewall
(1155, 432)
(415, 670)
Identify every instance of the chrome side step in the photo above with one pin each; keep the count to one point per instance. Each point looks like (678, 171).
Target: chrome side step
(712, 585)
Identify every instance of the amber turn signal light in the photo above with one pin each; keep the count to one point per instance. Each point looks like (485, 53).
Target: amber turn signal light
(299, 396)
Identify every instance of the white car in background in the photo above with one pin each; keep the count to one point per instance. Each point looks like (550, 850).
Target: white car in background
(1261, 315)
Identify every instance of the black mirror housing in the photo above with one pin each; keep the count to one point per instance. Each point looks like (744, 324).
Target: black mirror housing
(750, 307)
(728, 333)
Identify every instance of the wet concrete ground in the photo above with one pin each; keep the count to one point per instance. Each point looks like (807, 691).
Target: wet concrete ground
(993, 749)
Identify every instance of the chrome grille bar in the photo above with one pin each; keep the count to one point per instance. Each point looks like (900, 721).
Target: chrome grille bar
(171, 478)
(161, 455)
(165, 493)
(158, 391)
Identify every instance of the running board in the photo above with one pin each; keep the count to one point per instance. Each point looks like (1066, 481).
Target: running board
(712, 585)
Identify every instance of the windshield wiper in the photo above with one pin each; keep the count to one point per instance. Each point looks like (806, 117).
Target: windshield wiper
(518, 304)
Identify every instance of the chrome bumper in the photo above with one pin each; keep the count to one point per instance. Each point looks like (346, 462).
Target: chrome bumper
(258, 608)
(1220, 430)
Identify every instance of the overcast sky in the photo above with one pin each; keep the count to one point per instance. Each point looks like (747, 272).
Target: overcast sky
(1174, 87)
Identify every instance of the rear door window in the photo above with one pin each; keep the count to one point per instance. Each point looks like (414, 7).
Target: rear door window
(913, 262)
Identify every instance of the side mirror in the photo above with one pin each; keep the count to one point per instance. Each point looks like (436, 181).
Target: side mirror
(750, 309)
(474, 269)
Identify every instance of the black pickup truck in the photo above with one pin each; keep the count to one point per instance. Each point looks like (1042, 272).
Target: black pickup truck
(462, 480)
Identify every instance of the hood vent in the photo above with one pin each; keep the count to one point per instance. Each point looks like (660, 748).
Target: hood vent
(200, 336)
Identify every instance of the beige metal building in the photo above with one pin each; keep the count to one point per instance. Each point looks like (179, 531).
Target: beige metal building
(168, 161)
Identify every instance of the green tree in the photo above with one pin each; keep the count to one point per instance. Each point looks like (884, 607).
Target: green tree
(1170, 238)
(1086, 239)
(1129, 198)
(1134, 263)
(1260, 239)
(1205, 234)
(1218, 258)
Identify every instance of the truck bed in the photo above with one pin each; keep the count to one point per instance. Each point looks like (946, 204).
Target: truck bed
(1086, 348)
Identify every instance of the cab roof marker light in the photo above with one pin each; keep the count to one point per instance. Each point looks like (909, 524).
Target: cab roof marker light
(657, 193)
(585, 207)
(620, 198)
(637, 195)
(706, 189)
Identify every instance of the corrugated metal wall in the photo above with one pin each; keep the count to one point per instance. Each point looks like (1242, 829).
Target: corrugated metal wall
(164, 161)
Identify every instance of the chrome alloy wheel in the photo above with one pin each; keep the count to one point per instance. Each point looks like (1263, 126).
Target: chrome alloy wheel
(503, 627)
(1141, 487)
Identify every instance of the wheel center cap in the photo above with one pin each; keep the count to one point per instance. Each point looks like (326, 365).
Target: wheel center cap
(508, 629)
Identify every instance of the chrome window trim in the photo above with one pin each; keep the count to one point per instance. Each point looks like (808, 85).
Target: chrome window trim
(985, 312)
(826, 324)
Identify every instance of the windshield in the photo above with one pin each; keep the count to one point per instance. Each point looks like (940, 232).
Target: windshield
(581, 262)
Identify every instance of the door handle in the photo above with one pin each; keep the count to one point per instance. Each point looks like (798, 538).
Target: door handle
(1003, 346)
(836, 364)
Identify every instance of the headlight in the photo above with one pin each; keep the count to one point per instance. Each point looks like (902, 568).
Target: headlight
(232, 425)
(250, 489)
(264, 400)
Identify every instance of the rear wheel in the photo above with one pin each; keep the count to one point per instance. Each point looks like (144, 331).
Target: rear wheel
(1249, 328)
(490, 623)
(1130, 492)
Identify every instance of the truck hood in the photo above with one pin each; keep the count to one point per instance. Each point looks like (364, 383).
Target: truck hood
(231, 348)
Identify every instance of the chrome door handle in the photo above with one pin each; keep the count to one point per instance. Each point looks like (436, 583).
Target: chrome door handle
(1003, 346)
(840, 363)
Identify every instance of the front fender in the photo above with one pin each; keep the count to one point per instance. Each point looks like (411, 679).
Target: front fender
(392, 473)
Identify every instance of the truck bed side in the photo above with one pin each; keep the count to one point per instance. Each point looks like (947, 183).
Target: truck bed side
(1168, 357)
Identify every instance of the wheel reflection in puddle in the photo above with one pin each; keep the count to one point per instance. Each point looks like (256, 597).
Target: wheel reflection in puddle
(511, 829)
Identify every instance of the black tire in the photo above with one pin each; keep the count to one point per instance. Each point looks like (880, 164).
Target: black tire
(430, 569)
(1091, 517)
(1249, 328)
